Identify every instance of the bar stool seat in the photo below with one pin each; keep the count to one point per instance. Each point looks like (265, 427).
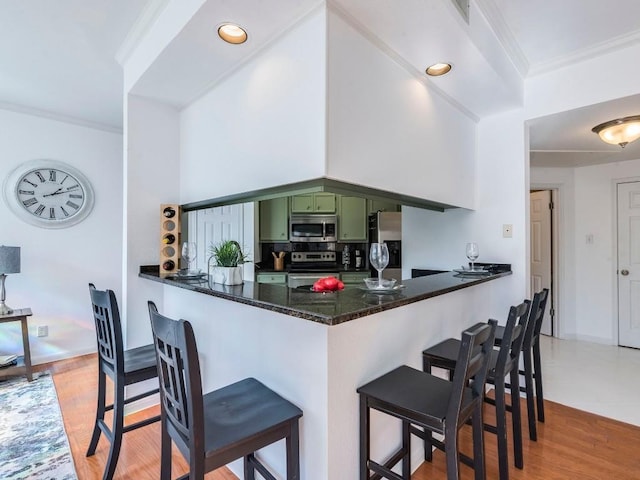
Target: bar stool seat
(423, 401)
(502, 363)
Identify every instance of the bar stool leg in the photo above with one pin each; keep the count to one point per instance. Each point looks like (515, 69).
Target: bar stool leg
(250, 472)
(364, 438)
(531, 409)
(537, 364)
(428, 446)
(451, 452)
(116, 430)
(293, 453)
(95, 437)
(501, 429)
(516, 418)
(478, 444)
(165, 455)
(406, 446)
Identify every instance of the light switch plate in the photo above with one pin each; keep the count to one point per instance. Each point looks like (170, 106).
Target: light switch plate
(507, 230)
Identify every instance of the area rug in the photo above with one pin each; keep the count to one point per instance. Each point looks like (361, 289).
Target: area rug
(33, 443)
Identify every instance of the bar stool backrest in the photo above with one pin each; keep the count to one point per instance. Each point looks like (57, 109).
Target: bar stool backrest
(544, 295)
(108, 328)
(180, 384)
(511, 344)
(471, 366)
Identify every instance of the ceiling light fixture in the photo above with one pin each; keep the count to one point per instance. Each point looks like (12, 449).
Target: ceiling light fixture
(232, 33)
(438, 69)
(620, 131)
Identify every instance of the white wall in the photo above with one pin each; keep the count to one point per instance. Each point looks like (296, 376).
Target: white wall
(152, 178)
(264, 125)
(437, 240)
(590, 209)
(58, 264)
(388, 130)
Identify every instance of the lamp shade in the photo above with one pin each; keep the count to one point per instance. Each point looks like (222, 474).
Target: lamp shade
(9, 259)
(620, 131)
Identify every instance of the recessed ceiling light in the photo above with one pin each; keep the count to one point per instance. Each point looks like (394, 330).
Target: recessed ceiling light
(232, 33)
(438, 69)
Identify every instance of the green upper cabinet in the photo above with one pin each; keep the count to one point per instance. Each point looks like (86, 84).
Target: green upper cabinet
(320, 202)
(352, 219)
(274, 220)
(384, 206)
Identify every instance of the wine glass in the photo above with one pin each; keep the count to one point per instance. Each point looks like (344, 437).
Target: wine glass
(189, 254)
(472, 252)
(379, 257)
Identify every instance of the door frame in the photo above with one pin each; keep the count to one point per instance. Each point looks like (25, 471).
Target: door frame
(616, 288)
(558, 278)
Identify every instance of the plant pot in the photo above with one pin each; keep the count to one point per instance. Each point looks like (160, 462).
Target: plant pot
(227, 275)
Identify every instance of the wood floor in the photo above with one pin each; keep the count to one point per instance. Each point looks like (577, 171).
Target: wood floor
(571, 444)
(76, 385)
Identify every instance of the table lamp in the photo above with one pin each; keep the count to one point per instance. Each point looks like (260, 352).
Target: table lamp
(9, 263)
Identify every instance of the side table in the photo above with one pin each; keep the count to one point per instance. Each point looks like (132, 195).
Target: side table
(24, 362)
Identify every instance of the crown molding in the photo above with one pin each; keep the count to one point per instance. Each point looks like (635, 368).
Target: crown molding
(602, 48)
(142, 25)
(504, 35)
(59, 117)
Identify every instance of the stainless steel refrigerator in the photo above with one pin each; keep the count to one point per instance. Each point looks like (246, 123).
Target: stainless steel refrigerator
(387, 227)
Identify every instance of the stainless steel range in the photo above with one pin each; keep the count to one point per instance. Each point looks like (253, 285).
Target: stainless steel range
(309, 266)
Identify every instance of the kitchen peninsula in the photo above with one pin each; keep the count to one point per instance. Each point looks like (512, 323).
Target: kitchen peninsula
(315, 349)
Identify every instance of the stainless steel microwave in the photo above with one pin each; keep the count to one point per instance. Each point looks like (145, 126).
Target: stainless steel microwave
(313, 228)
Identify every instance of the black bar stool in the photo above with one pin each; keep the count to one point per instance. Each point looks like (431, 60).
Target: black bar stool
(223, 425)
(532, 372)
(124, 367)
(423, 400)
(503, 363)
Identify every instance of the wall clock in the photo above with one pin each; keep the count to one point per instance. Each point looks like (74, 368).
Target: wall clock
(48, 193)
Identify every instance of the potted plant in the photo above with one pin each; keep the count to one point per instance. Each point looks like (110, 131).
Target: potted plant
(225, 262)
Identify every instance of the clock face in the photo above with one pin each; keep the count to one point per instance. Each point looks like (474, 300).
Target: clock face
(49, 194)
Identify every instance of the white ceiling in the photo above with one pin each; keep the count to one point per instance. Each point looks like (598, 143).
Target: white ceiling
(58, 57)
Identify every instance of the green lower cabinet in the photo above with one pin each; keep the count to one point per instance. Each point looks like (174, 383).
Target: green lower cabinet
(280, 278)
(352, 219)
(351, 279)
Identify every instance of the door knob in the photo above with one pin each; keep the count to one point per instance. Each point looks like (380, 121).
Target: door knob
(624, 272)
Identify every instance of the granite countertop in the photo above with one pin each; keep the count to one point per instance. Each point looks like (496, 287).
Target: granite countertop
(330, 308)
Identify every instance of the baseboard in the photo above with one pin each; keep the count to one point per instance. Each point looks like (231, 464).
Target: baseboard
(590, 339)
(54, 357)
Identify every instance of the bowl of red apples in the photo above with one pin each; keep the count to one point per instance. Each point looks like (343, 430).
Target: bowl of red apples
(327, 284)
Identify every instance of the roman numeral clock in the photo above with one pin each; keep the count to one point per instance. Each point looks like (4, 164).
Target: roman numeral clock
(48, 193)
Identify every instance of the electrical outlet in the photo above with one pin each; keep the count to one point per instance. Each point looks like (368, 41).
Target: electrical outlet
(507, 230)
(43, 331)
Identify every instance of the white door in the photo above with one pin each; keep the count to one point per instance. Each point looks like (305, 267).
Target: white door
(629, 264)
(213, 225)
(540, 218)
